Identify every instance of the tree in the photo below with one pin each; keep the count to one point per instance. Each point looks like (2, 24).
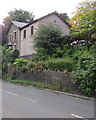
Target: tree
(18, 15)
(4, 36)
(48, 37)
(64, 16)
(7, 55)
(84, 16)
(7, 21)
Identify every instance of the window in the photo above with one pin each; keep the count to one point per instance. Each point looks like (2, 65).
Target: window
(54, 20)
(10, 37)
(32, 31)
(15, 35)
(24, 34)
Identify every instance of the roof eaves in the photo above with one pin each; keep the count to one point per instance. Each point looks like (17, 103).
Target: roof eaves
(19, 24)
(38, 20)
(56, 13)
(63, 20)
(29, 24)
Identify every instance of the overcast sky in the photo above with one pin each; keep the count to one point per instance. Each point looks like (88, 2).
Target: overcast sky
(38, 7)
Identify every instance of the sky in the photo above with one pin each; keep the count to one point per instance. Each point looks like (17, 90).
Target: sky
(38, 7)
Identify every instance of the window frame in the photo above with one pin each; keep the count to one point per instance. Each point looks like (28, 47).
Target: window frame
(32, 29)
(10, 37)
(24, 33)
(15, 35)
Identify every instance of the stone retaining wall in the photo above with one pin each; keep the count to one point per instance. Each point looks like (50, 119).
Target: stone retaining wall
(46, 76)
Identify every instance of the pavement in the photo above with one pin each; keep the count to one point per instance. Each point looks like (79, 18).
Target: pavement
(30, 102)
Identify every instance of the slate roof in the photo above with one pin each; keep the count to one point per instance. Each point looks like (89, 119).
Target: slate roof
(22, 25)
(19, 24)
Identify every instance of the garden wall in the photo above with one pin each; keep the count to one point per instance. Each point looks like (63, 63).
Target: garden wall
(46, 76)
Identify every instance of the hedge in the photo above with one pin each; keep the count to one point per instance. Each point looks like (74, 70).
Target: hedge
(59, 64)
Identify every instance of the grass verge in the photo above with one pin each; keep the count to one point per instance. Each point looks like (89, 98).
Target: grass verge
(33, 83)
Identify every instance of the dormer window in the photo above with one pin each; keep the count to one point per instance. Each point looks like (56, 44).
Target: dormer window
(24, 34)
(32, 30)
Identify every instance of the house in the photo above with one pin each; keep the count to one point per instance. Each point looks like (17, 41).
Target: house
(21, 34)
(14, 34)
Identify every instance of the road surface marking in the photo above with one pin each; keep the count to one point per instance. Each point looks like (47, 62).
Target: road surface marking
(77, 116)
(19, 96)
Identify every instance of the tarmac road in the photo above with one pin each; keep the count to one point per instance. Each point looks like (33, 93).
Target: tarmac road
(30, 102)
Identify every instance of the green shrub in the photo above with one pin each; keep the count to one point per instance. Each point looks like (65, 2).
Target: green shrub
(58, 53)
(41, 55)
(86, 68)
(93, 51)
(87, 80)
(7, 77)
(30, 65)
(48, 37)
(6, 58)
(60, 64)
(21, 63)
(15, 54)
(84, 59)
